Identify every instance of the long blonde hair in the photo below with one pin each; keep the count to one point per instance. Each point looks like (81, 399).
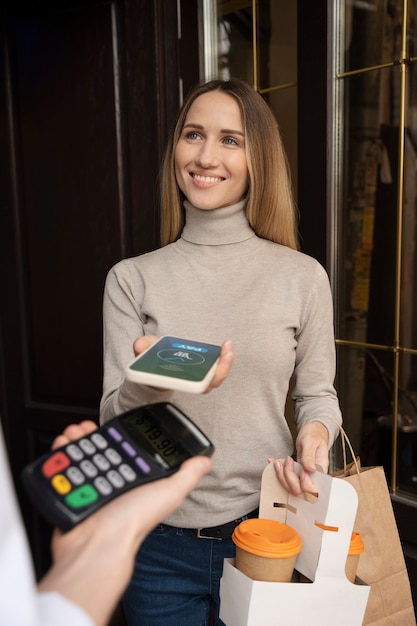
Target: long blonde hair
(270, 206)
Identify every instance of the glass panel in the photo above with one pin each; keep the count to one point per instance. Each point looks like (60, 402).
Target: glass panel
(407, 428)
(408, 323)
(283, 104)
(350, 388)
(365, 388)
(367, 238)
(366, 247)
(277, 40)
(235, 39)
(365, 384)
(372, 33)
(412, 29)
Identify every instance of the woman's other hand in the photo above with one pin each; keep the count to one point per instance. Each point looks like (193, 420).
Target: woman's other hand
(312, 454)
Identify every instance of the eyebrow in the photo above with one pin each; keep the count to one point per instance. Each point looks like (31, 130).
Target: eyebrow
(226, 131)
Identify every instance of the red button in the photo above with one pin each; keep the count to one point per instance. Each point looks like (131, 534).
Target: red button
(56, 463)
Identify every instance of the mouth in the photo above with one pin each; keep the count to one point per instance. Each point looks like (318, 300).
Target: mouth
(206, 180)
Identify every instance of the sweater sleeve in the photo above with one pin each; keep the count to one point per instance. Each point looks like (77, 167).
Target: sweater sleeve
(315, 368)
(123, 323)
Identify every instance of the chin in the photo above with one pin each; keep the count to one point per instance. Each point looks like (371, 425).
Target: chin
(204, 207)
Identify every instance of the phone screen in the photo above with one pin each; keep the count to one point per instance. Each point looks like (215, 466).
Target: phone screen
(178, 358)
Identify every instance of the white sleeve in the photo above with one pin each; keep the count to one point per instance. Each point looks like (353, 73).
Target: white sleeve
(54, 609)
(20, 602)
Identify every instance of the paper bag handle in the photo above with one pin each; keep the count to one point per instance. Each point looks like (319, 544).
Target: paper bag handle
(345, 440)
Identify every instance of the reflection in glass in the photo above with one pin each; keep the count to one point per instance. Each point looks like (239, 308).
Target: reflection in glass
(367, 240)
(366, 386)
(350, 388)
(235, 39)
(274, 59)
(406, 433)
(408, 321)
(376, 321)
(412, 29)
(283, 104)
(372, 33)
(279, 48)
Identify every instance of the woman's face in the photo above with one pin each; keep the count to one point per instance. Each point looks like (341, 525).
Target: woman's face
(210, 158)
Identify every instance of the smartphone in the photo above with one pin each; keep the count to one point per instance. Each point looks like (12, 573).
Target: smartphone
(150, 442)
(175, 363)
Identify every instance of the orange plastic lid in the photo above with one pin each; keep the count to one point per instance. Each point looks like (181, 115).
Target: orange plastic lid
(356, 544)
(267, 538)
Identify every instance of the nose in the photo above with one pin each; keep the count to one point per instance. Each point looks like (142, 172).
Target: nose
(207, 155)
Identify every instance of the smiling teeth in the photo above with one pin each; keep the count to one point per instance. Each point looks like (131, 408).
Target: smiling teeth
(207, 179)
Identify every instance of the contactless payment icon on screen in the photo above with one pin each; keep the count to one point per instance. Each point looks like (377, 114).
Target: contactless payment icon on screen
(174, 363)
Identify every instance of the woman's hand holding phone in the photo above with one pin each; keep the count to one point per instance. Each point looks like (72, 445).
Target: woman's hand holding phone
(224, 363)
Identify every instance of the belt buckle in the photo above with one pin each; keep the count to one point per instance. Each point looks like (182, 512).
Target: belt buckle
(200, 536)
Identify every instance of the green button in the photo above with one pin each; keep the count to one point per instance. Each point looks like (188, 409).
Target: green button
(84, 495)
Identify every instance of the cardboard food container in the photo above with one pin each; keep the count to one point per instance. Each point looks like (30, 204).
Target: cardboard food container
(325, 525)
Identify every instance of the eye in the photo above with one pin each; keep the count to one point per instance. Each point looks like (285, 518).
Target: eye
(231, 141)
(192, 135)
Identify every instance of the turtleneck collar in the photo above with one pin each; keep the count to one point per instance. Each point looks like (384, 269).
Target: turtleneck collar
(216, 227)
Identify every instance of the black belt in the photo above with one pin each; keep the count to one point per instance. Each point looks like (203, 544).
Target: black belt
(224, 531)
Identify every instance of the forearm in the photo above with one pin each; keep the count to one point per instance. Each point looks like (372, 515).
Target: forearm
(93, 572)
(92, 563)
(128, 396)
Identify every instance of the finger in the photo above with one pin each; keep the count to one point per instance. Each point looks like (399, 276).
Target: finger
(223, 366)
(140, 345)
(189, 475)
(143, 343)
(292, 479)
(308, 462)
(160, 498)
(279, 470)
(315, 458)
(306, 483)
(306, 454)
(74, 432)
(322, 459)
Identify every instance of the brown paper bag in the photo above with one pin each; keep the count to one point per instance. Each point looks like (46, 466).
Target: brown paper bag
(382, 564)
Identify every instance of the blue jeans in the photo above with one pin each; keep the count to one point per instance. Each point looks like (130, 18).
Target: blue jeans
(176, 579)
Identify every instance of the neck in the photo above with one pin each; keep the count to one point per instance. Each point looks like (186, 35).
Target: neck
(216, 227)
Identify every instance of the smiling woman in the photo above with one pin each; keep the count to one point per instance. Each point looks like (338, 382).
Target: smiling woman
(270, 206)
(210, 158)
(228, 270)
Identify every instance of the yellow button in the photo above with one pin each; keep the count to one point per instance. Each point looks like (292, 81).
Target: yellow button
(61, 484)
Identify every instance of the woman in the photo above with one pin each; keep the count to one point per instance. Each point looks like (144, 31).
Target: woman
(228, 269)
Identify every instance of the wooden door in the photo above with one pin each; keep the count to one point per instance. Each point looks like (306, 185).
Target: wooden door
(87, 92)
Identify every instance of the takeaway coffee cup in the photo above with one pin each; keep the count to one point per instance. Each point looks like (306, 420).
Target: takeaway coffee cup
(266, 550)
(355, 550)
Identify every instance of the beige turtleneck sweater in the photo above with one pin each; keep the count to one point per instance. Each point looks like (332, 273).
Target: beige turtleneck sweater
(220, 281)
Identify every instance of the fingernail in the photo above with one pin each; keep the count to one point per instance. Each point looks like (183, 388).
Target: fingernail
(205, 463)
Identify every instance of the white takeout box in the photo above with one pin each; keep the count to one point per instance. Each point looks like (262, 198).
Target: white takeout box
(331, 598)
